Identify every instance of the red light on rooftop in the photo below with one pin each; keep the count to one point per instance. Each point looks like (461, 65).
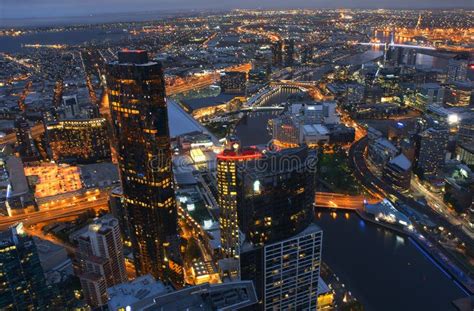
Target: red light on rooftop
(126, 50)
(247, 154)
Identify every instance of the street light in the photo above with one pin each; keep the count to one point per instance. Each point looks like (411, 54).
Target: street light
(453, 119)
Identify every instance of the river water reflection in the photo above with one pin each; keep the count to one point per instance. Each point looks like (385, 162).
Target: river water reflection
(385, 270)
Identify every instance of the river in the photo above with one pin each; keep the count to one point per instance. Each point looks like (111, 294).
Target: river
(384, 270)
(11, 44)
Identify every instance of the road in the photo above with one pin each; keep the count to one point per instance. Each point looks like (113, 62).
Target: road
(342, 201)
(57, 210)
(379, 188)
(436, 202)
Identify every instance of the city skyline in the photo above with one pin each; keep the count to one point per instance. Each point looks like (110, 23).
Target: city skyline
(10, 9)
(225, 159)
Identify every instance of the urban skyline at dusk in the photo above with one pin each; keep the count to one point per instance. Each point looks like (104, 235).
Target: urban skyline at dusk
(11, 9)
(217, 155)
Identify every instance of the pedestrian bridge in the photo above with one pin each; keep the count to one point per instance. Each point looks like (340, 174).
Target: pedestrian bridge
(409, 46)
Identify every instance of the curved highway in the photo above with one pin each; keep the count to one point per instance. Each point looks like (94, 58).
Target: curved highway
(376, 186)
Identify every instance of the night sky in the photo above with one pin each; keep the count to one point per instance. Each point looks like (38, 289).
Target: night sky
(60, 8)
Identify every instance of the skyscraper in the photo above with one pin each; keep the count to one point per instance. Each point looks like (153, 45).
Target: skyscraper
(22, 281)
(26, 145)
(277, 53)
(100, 254)
(289, 51)
(266, 224)
(140, 119)
(228, 191)
(432, 151)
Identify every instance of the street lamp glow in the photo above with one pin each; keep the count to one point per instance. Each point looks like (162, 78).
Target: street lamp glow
(453, 119)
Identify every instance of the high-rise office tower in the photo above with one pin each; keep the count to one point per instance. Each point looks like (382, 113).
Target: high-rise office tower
(397, 172)
(100, 253)
(277, 53)
(270, 221)
(228, 191)
(82, 141)
(410, 57)
(289, 52)
(26, 144)
(432, 151)
(22, 281)
(139, 112)
(306, 54)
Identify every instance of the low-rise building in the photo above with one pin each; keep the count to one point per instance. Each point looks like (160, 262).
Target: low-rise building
(381, 151)
(79, 141)
(208, 106)
(51, 179)
(233, 82)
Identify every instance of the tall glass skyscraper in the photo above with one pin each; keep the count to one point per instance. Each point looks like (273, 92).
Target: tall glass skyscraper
(267, 235)
(140, 118)
(22, 281)
(26, 144)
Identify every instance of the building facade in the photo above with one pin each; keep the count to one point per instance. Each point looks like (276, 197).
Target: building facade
(228, 192)
(457, 69)
(22, 280)
(432, 152)
(81, 141)
(234, 82)
(140, 118)
(101, 258)
(397, 172)
(270, 226)
(26, 144)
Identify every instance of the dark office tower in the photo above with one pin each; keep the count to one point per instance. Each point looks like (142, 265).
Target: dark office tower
(410, 57)
(81, 141)
(306, 54)
(397, 172)
(289, 50)
(137, 100)
(266, 221)
(393, 55)
(277, 53)
(22, 281)
(277, 200)
(26, 144)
